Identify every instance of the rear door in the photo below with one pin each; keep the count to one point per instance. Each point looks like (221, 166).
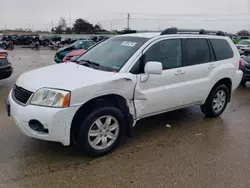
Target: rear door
(197, 62)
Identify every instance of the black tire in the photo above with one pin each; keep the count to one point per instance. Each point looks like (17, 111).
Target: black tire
(81, 136)
(207, 108)
(243, 82)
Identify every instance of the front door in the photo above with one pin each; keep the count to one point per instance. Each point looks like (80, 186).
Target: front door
(161, 92)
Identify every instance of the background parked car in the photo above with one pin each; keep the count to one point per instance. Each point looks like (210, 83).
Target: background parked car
(245, 67)
(243, 45)
(80, 44)
(5, 66)
(73, 54)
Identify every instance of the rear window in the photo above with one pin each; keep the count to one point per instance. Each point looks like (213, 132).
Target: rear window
(222, 49)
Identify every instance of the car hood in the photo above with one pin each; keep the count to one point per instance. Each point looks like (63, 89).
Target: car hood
(76, 52)
(240, 45)
(68, 76)
(67, 48)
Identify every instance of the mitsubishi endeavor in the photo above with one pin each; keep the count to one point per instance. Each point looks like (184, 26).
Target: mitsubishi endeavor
(100, 96)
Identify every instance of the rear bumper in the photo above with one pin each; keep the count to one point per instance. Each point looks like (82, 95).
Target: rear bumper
(5, 72)
(237, 79)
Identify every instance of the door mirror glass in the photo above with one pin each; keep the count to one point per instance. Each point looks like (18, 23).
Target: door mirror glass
(153, 67)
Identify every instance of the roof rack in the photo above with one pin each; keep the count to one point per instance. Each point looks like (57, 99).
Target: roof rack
(127, 31)
(174, 30)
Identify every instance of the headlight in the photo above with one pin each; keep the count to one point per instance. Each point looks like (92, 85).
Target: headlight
(51, 98)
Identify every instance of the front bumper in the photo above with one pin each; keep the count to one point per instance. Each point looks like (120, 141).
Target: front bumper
(246, 74)
(57, 59)
(56, 120)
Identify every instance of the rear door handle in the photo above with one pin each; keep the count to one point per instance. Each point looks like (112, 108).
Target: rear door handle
(179, 73)
(211, 66)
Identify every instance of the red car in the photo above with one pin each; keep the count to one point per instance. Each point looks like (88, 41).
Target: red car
(75, 53)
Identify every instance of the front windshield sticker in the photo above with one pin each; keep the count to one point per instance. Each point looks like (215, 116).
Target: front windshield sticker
(115, 67)
(128, 43)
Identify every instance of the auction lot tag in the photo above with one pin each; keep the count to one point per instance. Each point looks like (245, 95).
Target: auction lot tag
(127, 43)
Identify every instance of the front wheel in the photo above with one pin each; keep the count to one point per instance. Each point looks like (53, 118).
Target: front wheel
(100, 132)
(216, 102)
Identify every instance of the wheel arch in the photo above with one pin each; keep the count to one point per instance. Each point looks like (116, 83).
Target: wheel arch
(226, 81)
(105, 100)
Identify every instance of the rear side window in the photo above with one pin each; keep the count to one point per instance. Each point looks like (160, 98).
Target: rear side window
(195, 51)
(222, 49)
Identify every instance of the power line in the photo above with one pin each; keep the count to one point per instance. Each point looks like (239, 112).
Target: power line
(222, 19)
(197, 14)
(186, 14)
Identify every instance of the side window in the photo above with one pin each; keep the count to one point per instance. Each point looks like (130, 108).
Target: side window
(222, 49)
(168, 52)
(136, 68)
(195, 51)
(211, 51)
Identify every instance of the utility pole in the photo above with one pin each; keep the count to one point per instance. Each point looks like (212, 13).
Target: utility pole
(111, 26)
(52, 26)
(69, 19)
(128, 19)
(248, 11)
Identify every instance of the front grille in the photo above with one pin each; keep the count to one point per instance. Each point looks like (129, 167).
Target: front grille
(21, 95)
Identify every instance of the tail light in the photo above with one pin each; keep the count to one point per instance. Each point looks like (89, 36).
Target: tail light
(240, 64)
(3, 55)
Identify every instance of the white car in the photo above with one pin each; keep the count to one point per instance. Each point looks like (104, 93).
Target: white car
(100, 96)
(243, 45)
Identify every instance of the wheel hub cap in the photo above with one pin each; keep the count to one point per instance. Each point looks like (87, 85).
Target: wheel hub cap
(219, 101)
(103, 132)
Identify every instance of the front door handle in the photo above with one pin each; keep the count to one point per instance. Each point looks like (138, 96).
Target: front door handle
(211, 66)
(179, 73)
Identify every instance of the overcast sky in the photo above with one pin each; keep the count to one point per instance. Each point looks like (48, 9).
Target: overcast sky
(228, 15)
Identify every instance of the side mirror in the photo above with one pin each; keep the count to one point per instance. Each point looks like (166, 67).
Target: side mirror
(153, 67)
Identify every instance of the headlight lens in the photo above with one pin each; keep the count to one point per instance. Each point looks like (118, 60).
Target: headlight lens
(51, 98)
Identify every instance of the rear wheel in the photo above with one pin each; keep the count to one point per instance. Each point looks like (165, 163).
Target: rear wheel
(100, 132)
(216, 102)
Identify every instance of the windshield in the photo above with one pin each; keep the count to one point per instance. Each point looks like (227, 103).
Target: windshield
(244, 42)
(78, 44)
(114, 52)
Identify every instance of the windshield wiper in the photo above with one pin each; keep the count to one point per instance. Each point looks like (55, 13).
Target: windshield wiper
(89, 63)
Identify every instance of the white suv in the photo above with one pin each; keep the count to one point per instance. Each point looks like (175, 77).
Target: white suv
(102, 95)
